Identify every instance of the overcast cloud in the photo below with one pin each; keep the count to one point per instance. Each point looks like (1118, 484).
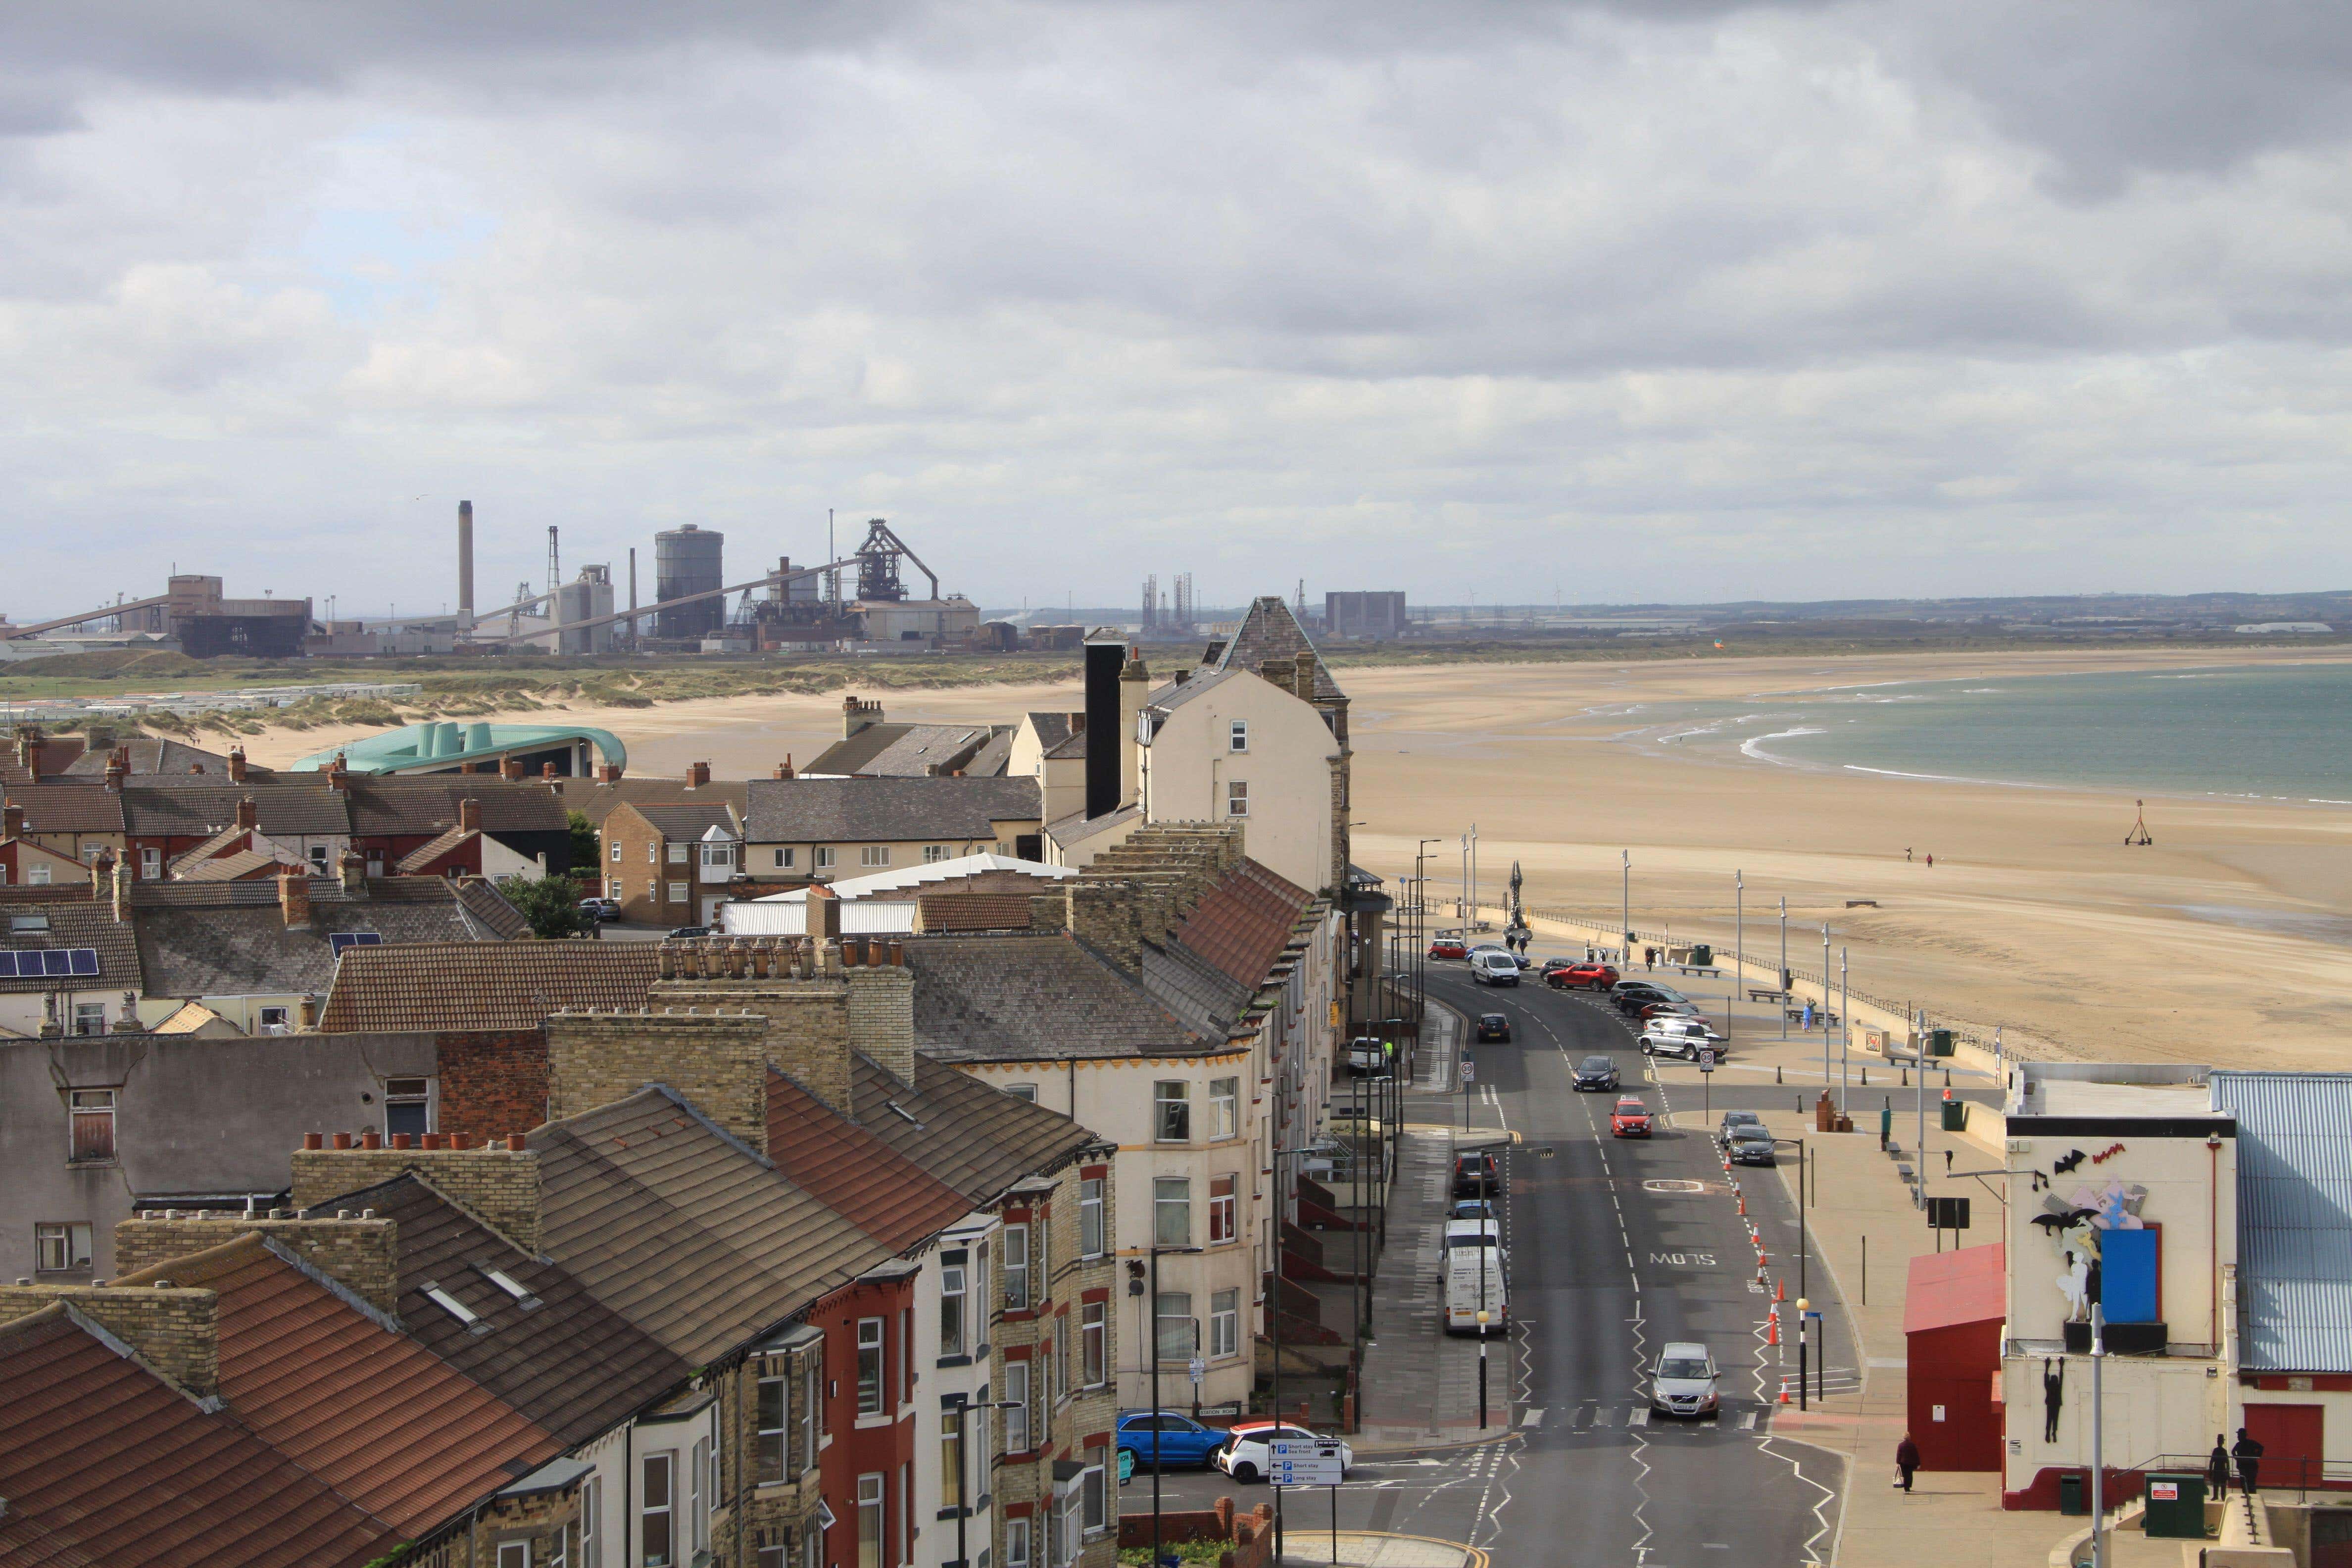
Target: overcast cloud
(1635, 301)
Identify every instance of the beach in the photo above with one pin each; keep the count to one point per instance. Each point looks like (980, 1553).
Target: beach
(2229, 940)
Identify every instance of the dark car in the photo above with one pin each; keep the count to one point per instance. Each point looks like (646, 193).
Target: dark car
(1179, 1439)
(684, 932)
(1596, 1072)
(1751, 1146)
(1733, 1120)
(1476, 1175)
(600, 908)
(1494, 1026)
(1632, 995)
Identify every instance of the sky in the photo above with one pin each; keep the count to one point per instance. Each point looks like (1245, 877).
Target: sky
(1669, 301)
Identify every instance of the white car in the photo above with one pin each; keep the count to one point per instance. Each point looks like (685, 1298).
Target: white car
(1243, 1456)
(1666, 1037)
(1683, 1383)
(1494, 968)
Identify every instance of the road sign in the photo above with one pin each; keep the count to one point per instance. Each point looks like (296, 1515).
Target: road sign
(1706, 1058)
(1469, 1071)
(1303, 1462)
(1199, 1369)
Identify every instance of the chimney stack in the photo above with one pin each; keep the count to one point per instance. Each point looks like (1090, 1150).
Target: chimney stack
(510, 768)
(608, 772)
(339, 775)
(823, 920)
(470, 814)
(546, 771)
(174, 1330)
(1134, 689)
(12, 822)
(856, 715)
(785, 768)
(466, 566)
(351, 871)
(236, 764)
(122, 889)
(498, 1182)
(697, 774)
(294, 897)
(117, 768)
(1106, 655)
(308, 1011)
(101, 874)
(248, 814)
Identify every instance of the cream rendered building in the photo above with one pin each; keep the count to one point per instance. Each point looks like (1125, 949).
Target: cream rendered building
(1231, 746)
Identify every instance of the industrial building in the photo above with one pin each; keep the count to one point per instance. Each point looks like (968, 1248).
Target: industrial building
(1371, 618)
(687, 561)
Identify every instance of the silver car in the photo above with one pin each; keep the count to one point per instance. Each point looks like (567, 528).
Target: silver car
(1683, 1383)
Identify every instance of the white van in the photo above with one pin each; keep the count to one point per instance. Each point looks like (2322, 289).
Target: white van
(1477, 1270)
(1495, 968)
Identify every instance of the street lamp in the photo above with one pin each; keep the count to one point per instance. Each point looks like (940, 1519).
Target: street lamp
(1274, 1310)
(964, 1465)
(1804, 1307)
(1738, 950)
(1785, 996)
(1495, 1236)
(1156, 1254)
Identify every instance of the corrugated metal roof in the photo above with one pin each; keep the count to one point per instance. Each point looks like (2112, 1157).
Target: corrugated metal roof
(2295, 1217)
(865, 916)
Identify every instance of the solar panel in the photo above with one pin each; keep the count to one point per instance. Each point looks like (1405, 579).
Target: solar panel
(340, 940)
(8, 966)
(39, 964)
(56, 960)
(85, 960)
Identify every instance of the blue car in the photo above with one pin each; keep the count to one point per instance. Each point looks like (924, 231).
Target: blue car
(1182, 1439)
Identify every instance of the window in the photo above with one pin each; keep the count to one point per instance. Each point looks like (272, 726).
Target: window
(407, 1105)
(150, 864)
(90, 1018)
(773, 1432)
(1224, 1106)
(811, 1408)
(1068, 1517)
(36, 920)
(825, 859)
(319, 859)
(1016, 1267)
(274, 1020)
(1093, 1509)
(450, 1304)
(1221, 1208)
(1238, 740)
(1178, 1336)
(60, 1247)
(678, 894)
(514, 1554)
(93, 1122)
(1043, 1269)
(1016, 1406)
(952, 1281)
(1171, 1210)
(1093, 1331)
(870, 1521)
(1027, 1091)
(787, 859)
(951, 1461)
(1225, 1324)
(616, 851)
(874, 855)
(719, 859)
(869, 1366)
(1016, 1543)
(697, 1522)
(1090, 1218)
(592, 1530)
(616, 889)
(1237, 797)
(657, 1511)
(906, 1354)
(934, 853)
(1063, 1386)
(1172, 1119)
(37, 875)
(678, 854)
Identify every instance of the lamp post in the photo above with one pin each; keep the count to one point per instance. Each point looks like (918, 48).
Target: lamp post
(2098, 1435)
(1825, 1002)
(1785, 989)
(1845, 1030)
(1738, 949)
(1625, 905)
(1156, 1253)
(1804, 1307)
(1494, 1236)
(1273, 1312)
(964, 1465)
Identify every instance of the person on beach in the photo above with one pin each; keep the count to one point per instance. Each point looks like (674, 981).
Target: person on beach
(1931, 862)
(1906, 857)
(1906, 1460)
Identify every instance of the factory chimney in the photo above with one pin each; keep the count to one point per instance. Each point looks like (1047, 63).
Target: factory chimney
(465, 566)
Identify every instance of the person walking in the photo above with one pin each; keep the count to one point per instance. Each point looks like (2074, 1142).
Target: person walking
(2249, 1455)
(1906, 1460)
(1931, 862)
(2217, 1469)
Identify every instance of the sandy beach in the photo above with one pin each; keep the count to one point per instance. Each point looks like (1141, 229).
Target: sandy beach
(2034, 916)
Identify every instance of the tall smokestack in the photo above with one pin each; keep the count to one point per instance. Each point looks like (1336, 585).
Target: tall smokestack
(633, 593)
(1106, 658)
(465, 566)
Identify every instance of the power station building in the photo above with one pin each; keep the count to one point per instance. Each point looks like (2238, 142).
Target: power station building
(687, 561)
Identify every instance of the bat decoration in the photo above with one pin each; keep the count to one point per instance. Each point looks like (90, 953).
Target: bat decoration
(2107, 1154)
(2066, 1163)
(2052, 1224)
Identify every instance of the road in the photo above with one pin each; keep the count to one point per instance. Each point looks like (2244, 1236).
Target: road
(1617, 1248)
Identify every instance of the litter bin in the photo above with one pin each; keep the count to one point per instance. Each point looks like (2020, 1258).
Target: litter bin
(2072, 1493)
(1955, 1115)
(1939, 1042)
(1885, 1124)
(2176, 1505)
(1702, 957)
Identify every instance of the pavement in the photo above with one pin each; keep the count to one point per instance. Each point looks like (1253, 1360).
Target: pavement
(1354, 1549)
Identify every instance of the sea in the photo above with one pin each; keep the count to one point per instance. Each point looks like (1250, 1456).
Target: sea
(2277, 732)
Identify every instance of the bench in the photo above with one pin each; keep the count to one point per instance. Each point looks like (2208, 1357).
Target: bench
(1700, 968)
(1905, 1171)
(1766, 994)
(1821, 1015)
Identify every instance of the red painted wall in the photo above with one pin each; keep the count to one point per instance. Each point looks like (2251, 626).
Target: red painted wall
(1954, 1367)
(887, 1449)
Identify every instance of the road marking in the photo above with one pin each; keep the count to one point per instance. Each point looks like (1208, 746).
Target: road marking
(1747, 1422)
(1671, 1184)
(1600, 1416)
(1532, 1418)
(1638, 1417)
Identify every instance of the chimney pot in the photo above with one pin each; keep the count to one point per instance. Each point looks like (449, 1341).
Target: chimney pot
(432, 1141)
(547, 770)
(370, 1139)
(400, 1139)
(516, 1142)
(509, 767)
(343, 1140)
(338, 773)
(697, 774)
(313, 1141)
(461, 1140)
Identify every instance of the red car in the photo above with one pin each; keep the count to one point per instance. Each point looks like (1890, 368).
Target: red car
(1582, 977)
(1448, 947)
(1630, 1119)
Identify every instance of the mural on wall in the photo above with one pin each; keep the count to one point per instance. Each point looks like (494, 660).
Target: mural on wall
(2076, 1223)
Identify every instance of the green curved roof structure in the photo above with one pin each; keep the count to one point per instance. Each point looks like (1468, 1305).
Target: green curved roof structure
(444, 745)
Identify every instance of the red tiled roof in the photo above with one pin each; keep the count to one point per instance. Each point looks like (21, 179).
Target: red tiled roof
(884, 1195)
(1242, 924)
(104, 1463)
(373, 1414)
(973, 911)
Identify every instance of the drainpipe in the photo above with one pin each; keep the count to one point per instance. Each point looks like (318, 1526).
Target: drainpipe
(2214, 1234)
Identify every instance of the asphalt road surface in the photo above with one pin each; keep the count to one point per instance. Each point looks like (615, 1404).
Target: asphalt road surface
(1617, 1246)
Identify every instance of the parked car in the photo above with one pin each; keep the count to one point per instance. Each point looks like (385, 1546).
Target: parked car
(1581, 977)
(1630, 1119)
(600, 908)
(1683, 1383)
(1181, 1439)
(1497, 968)
(1368, 1056)
(1662, 1039)
(1632, 995)
(1447, 947)
(1597, 1072)
(1494, 1026)
(1476, 1175)
(1243, 1456)
(1735, 1120)
(1751, 1146)
(1472, 1208)
(1649, 1010)
(684, 932)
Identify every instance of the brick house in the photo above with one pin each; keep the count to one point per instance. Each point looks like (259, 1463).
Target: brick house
(671, 863)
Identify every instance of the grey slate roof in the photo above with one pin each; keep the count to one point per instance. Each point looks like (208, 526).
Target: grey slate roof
(1206, 1000)
(989, 761)
(1034, 998)
(688, 821)
(596, 801)
(1270, 631)
(903, 751)
(821, 811)
(692, 1235)
(74, 920)
(429, 805)
(1052, 729)
(1176, 693)
(2295, 1217)
(230, 939)
(975, 1137)
(202, 807)
(152, 754)
(69, 807)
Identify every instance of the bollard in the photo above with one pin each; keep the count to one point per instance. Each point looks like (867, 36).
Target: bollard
(1948, 1077)
(1907, 1080)
(1776, 1075)
(1865, 1075)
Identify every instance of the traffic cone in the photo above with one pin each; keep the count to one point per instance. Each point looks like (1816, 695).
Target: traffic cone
(1772, 1331)
(1784, 1391)
(1780, 1292)
(1743, 1202)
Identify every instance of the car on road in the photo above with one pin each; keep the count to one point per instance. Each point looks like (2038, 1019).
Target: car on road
(1476, 1175)
(1751, 1146)
(1581, 977)
(1495, 968)
(1447, 947)
(1597, 1072)
(1181, 1439)
(1494, 1026)
(600, 908)
(1472, 1208)
(1735, 1120)
(1244, 1455)
(1682, 1382)
(1630, 1119)
(1368, 1056)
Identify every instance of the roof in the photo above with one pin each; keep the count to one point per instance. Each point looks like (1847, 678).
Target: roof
(406, 807)
(973, 911)
(818, 811)
(1032, 998)
(1269, 630)
(155, 808)
(235, 867)
(596, 800)
(231, 939)
(2295, 1217)
(69, 807)
(1069, 746)
(1243, 922)
(686, 821)
(1078, 827)
(866, 917)
(970, 1135)
(930, 871)
(1947, 1289)
(849, 755)
(1196, 683)
(151, 754)
(530, 1357)
(75, 920)
(458, 985)
(1052, 729)
(103, 1462)
(884, 1194)
(433, 851)
(1203, 997)
(922, 751)
(689, 1234)
(325, 1381)
(992, 759)
(443, 744)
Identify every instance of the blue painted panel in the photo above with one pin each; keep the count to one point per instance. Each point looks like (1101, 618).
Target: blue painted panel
(2127, 1276)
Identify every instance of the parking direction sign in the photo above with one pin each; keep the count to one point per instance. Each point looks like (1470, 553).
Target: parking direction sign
(1706, 1058)
(1303, 1462)
(1198, 1370)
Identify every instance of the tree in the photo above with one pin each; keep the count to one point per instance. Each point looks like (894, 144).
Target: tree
(585, 848)
(550, 906)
